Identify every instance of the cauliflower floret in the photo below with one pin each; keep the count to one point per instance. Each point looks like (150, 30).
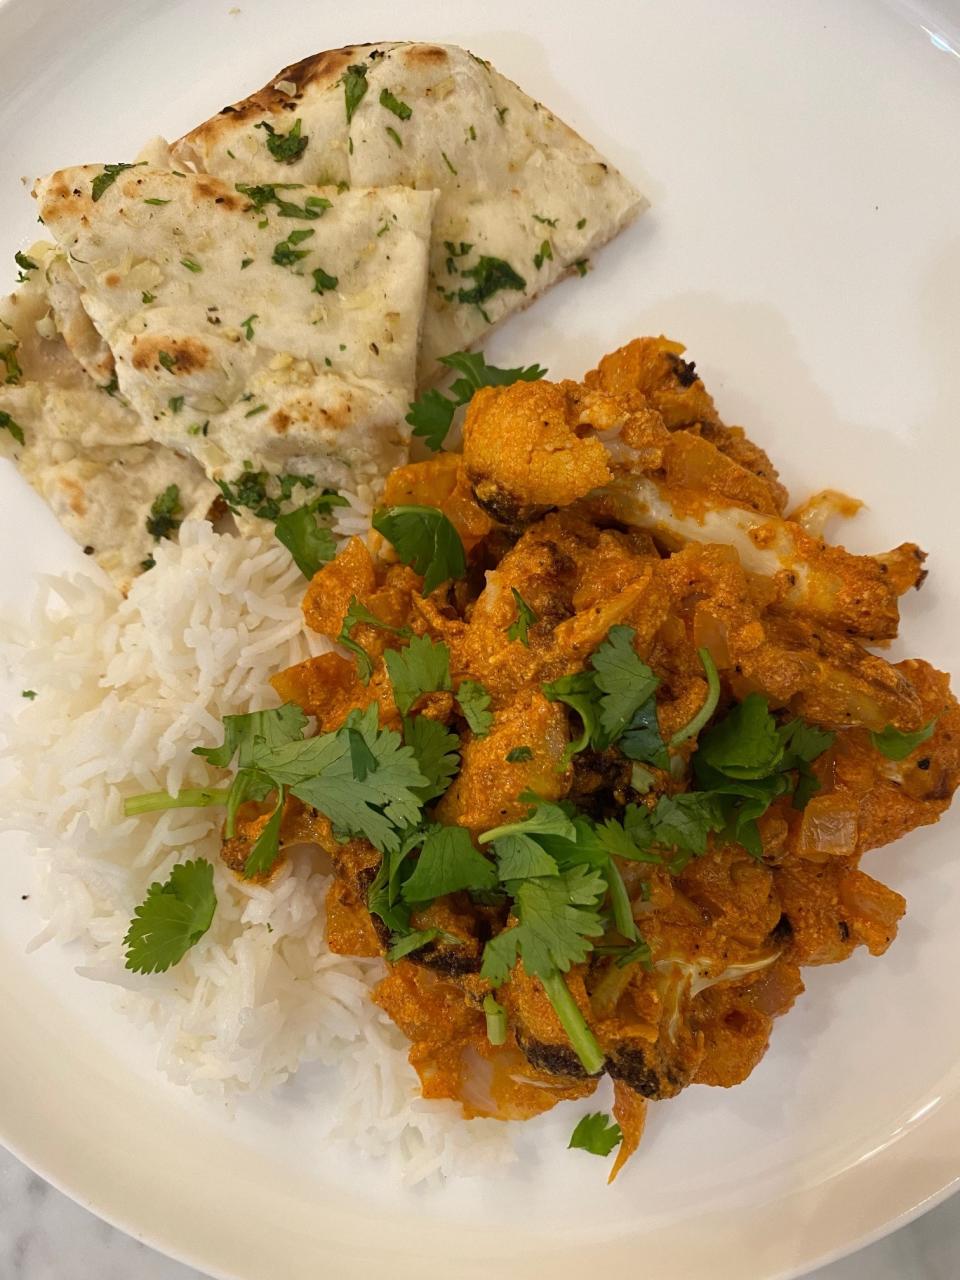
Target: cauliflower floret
(525, 447)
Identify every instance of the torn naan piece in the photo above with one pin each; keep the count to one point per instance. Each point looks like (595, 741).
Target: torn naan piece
(523, 199)
(75, 441)
(272, 326)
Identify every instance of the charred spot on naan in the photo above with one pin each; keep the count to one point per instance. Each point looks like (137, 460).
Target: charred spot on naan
(425, 55)
(320, 70)
(179, 356)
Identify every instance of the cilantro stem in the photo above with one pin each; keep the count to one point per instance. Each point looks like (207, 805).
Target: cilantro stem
(496, 1017)
(151, 801)
(693, 727)
(573, 1022)
(620, 901)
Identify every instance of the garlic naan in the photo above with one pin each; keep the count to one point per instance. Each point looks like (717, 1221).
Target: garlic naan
(75, 441)
(523, 199)
(276, 325)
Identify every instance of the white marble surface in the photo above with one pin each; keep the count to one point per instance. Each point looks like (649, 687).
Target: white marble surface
(45, 1236)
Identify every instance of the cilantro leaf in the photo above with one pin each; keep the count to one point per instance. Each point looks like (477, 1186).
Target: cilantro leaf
(632, 838)
(519, 755)
(248, 737)
(474, 702)
(7, 424)
(526, 618)
(244, 736)
(615, 701)
(263, 493)
(896, 745)
(558, 917)
(684, 821)
(432, 415)
(173, 916)
(422, 667)
(286, 148)
(745, 743)
(579, 691)
(435, 749)
(448, 862)
(320, 772)
(266, 193)
(642, 739)
(425, 539)
(106, 179)
(362, 759)
(410, 942)
(357, 613)
(392, 103)
(546, 819)
(285, 253)
(624, 681)
(519, 857)
(266, 848)
(746, 762)
(310, 543)
(354, 87)
(323, 282)
(384, 897)
(490, 276)
(595, 1133)
(500, 955)
(11, 365)
(163, 520)
(803, 743)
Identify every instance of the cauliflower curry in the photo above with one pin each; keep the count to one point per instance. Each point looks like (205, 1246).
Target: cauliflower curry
(649, 744)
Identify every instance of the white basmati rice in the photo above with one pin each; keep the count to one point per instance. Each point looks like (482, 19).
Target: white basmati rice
(125, 690)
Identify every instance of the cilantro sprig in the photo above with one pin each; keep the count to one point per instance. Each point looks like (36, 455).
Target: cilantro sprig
(746, 761)
(432, 415)
(365, 779)
(615, 700)
(359, 613)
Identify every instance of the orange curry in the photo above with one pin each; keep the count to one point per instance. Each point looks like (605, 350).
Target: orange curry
(624, 502)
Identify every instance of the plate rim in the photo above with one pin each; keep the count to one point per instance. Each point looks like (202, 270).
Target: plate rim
(60, 1178)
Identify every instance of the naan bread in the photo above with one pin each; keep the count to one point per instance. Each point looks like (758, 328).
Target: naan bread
(276, 327)
(522, 198)
(82, 448)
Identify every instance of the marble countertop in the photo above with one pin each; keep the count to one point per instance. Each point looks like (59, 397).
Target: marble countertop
(45, 1236)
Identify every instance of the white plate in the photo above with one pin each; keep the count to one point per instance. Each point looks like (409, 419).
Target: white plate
(803, 163)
